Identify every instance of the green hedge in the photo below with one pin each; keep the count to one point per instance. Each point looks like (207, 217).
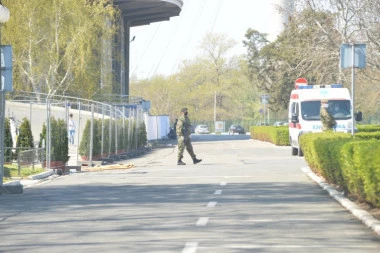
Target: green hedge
(368, 128)
(322, 152)
(350, 162)
(360, 167)
(278, 135)
(368, 135)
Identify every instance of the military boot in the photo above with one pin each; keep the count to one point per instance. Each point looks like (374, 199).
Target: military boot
(195, 160)
(180, 162)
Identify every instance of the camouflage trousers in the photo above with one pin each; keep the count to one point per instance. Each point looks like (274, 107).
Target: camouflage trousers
(182, 144)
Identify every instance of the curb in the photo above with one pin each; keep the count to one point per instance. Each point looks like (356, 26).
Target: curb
(359, 213)
(42, 175)
(13, 187)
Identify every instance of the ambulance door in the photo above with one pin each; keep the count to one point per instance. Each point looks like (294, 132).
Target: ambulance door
(294, 113)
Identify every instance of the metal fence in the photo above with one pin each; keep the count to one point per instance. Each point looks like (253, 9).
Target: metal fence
(112, 117)
(25, 157)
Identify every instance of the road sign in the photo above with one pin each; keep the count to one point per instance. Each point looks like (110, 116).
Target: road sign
(6, 83)
(346, 59)
(264, 98)
(300, 81)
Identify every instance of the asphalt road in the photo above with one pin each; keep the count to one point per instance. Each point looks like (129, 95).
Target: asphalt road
(246, 196)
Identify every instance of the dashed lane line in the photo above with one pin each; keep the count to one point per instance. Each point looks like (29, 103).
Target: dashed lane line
(211, 204)
(190, 247)
(218, 192)
(202, 221)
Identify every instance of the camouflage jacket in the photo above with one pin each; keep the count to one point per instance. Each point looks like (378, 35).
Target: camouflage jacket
(183, 126)
(328, 122)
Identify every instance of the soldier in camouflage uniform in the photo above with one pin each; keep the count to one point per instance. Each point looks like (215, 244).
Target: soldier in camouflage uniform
(328, 121)
(183, 132)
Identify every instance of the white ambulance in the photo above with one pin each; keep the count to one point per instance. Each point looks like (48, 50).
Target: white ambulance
(304, 110)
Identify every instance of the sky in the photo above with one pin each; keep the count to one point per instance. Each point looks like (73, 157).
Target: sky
(160, 48)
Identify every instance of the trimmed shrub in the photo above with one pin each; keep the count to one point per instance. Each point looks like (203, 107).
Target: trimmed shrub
(368, 135)
(368, 128)
(278, 135)
(351, 163)
(25, 140)
(142, 139)
(25, 137)
(59, 140)
(8, 141)
(84, 147)
(42, 142)
(361, 170)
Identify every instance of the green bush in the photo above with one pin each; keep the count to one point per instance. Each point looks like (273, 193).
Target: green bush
(8, 141)
(142, 140)
(42, 142)
(128, 137)
(84, 147)
(368, 128)
(59, 140)
(351, 163)
(322, 152)
(25, 136)
(278, 135)
(361, 170)
(25, 141)
(368, 135)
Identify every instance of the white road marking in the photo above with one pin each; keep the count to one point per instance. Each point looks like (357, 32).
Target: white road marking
(190, 247)
(294, 246)
(287, 220)
(218, 192)
(211, 204)
(223, 183)
(202, 221)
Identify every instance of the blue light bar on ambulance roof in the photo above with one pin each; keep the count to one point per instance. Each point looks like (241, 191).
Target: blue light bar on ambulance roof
(320, 86)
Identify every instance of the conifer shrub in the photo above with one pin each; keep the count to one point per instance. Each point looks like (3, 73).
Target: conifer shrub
(84, 147)
(8, 141)
(59, 141)
(25, 141)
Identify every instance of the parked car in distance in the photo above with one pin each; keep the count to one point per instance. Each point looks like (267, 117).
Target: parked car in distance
(262, 124)
(236, 128)
(201, 129)
(279, 123)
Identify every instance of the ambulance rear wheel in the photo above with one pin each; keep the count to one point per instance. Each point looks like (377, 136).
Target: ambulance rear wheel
(299, 151)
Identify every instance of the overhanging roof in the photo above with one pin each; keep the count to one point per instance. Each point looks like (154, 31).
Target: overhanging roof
(144, 12)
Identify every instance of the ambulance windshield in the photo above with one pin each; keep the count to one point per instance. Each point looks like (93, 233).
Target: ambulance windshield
(339, 109)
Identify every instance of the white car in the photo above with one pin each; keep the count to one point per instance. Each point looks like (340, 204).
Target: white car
(202, 129)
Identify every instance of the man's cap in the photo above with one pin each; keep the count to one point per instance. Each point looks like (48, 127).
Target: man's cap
(184, 109)
(324, 101)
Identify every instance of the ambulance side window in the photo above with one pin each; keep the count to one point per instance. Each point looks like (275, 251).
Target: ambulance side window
(295, 109)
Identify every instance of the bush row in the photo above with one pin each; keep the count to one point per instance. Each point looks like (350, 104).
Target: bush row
(124, 137)
(278, 135)
(368, 128)
(351, 163)
(129, 137)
